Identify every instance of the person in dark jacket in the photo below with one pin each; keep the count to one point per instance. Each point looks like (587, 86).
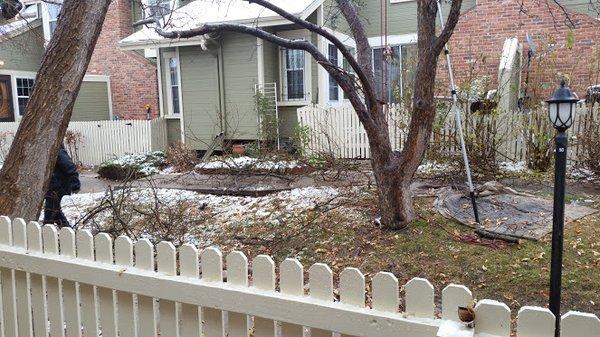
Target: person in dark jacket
(64, 181)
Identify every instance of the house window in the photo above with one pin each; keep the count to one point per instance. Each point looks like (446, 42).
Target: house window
(24, 90)
(157, 8)
(30, 12)
(394, 70)
(53, 13)
(172, 71)
(334, 88)
(293, 74)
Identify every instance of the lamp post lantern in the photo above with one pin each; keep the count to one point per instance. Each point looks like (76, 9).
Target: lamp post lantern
(561, 110)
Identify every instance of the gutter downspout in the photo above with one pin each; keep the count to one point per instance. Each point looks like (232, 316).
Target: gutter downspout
(221, 79)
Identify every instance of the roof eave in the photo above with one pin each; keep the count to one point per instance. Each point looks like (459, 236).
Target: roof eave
(260, 22)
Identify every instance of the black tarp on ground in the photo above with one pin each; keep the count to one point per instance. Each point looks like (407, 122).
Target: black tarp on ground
(505, 211)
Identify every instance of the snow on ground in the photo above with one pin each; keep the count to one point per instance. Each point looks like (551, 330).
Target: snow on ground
(245, 162)
(206, 212)
(518, 167)
(582, 174)
(432, 167)
(145, 163)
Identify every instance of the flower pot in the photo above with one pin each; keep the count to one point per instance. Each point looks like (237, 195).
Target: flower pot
(239, 149)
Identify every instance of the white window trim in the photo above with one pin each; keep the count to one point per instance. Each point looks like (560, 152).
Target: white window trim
(393, 40)
(340, 63)
(169, 99)
(399, 59)
(298, 35)
(400, 1)
(16, 94)
(46, 20)
(306, 80)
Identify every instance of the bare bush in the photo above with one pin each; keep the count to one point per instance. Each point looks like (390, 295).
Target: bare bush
(73, 141)
(589, 140)
(182, 157)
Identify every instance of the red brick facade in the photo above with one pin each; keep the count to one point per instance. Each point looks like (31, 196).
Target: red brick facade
(133, 77)
(476, 45)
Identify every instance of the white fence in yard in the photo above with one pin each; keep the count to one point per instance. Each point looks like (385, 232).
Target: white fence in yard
(338, 131)
(66, 283)
(103, 140)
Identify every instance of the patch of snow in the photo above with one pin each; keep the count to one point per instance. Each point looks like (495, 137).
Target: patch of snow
(432, 167)
(245, 163)
(13, 26)
(513, 167)
(169, 170)
(145, 163)
(582, 174)
(212, 211)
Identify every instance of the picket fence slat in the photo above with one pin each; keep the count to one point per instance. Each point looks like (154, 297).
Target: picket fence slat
(169, 318)
(86, 262)
(291, 283)
(321, 288)
(144, 260)
(190, 314)
(126, 320)
(87, 293)
(70, 289)
(211, 261)
(237, 274)
(53, 285)
(106, 296)
(22, 290)
(263, 278)
(38, 284)
(9, 297)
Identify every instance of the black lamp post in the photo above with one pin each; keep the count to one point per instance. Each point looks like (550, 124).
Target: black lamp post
(561, 110)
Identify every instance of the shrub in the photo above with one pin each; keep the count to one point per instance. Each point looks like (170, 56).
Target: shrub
(133, 166)
(181, 157)
(589, 139)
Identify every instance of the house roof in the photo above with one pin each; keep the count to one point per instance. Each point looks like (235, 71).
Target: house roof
(201, 12)
(17, 27)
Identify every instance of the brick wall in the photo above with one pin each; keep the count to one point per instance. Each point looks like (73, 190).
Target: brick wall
(476, 45)
(133, 77)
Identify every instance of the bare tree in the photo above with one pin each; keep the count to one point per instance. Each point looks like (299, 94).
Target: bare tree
(30, 162)
(393, 171)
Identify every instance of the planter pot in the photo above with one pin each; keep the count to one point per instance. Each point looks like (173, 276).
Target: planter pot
(239, 149)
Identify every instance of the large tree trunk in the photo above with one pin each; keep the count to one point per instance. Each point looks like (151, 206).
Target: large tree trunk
(30, 162)
(394, 172)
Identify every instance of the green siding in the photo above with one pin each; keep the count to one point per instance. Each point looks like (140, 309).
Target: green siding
(173, 131)
(581, 6)
(288, 120)
(199, 82)
(240, 70)
(92, 102)
(271, 60)
(23, 52)
(402, 17)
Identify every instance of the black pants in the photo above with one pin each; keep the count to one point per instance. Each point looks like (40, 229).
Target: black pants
(53, 212)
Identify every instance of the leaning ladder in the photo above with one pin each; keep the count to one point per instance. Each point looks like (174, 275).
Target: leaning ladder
(457, 114)
(269, 91)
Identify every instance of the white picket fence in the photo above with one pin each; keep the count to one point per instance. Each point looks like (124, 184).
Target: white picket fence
(66, 283)
(103, 140)
(337, 130)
